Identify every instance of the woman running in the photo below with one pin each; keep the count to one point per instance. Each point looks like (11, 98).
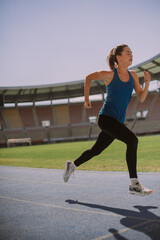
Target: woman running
(119, 85)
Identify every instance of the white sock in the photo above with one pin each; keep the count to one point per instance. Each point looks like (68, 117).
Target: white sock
(133, 181)
(74, 165)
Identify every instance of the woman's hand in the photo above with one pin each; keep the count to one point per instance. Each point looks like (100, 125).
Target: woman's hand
(147, 77)
(87, 104)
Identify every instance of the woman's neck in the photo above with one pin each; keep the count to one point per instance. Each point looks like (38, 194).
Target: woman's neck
(122, 69)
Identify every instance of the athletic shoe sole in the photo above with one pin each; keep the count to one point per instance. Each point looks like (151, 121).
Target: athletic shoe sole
(140, 194)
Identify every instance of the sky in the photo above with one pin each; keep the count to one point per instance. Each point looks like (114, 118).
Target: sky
(56, 41)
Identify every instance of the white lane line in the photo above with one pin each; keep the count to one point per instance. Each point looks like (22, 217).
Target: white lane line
(56, 206)
(55, 183)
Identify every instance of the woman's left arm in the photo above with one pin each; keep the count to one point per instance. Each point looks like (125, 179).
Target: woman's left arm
(141, 93)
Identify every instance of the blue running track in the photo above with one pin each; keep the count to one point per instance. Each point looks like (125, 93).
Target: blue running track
(35, 204)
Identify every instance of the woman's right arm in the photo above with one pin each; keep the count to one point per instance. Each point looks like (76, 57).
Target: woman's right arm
(102, 75)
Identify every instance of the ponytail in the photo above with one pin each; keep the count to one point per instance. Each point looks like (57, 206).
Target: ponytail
(112, 57)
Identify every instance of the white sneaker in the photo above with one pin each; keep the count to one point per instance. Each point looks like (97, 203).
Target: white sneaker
(68, 171)
(138, 189)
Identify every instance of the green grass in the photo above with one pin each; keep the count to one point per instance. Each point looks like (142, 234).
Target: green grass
(112, 159)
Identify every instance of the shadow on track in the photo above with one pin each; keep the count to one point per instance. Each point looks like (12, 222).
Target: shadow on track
(143, 220)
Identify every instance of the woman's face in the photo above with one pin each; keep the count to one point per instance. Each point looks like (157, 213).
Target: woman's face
(126, 57)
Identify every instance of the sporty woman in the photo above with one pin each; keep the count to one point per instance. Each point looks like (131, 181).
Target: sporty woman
(119, 85)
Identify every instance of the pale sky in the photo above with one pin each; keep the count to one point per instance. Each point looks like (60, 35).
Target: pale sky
(55, 41)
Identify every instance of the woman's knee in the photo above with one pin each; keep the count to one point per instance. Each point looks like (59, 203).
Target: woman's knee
(133, 141)
(94, 151)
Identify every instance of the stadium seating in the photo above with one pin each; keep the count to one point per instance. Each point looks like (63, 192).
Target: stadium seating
(37, 134)
(26, 114)
(2, 121)
(2, 139)
(71, 121)
(151, 122)
(58, 133)
(94, 111)
(80, 130)
(155, 111)
(13, 118)
(62, 114)
(14, 133)
(95, 131)
(44, 113)
(75, 112)
(146, 104)
(130, 114)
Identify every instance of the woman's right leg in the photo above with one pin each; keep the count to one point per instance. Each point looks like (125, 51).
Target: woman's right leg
(103, 141)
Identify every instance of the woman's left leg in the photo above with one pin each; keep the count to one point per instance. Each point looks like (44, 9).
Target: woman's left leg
(103, 141)
(119, 131)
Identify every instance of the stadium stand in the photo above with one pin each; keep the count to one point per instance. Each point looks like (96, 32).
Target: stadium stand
(146, 104)
(94, 111)
(26, 114)
(2, 121)
(95, 131)
(44, 113)
(14, 133)
(37, 134)
(3, 139)
(148, 120)
(59, 133)
(131, 108)
(13, 118)
(69, 120)
(75, 113)
(80, 131)
(155, 111)
(62, 114)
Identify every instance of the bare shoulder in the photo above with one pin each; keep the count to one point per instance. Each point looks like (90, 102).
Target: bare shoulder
(105, 72)
(107, 76)
(100, 75)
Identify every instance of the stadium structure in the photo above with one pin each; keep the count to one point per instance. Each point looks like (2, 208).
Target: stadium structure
(55, 112)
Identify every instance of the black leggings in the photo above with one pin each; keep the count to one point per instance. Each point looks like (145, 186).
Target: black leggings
(112, 129)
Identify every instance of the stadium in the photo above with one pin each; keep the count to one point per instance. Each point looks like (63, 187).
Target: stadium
(35, 203)
(55, 112)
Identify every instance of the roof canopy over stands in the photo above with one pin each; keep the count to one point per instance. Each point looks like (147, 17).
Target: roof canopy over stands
(71, 89)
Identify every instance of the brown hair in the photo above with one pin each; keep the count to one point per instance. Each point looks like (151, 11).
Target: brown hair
(112, 57)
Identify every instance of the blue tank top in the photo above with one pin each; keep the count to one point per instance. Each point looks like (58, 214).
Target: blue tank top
(118, 97)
